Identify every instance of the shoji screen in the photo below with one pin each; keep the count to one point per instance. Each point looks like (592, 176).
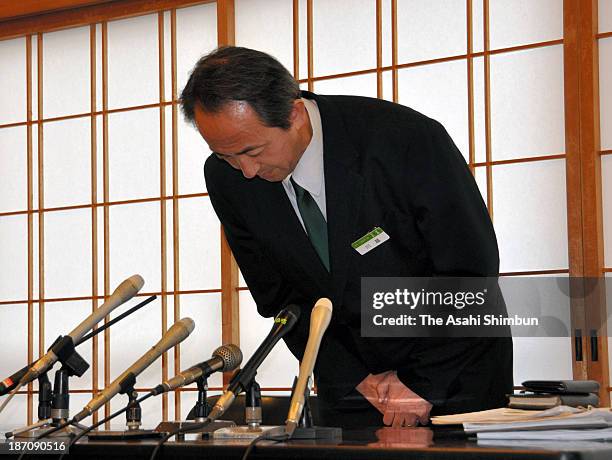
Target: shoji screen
(490, 70)
(102, 179)
(523, 150)
(265, 25)
(605, 105)
(14, 227)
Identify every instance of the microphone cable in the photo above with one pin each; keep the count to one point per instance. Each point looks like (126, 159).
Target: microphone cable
(51, 431)
(115, 320)
(181, 430)
(104, 420)
(264, 437)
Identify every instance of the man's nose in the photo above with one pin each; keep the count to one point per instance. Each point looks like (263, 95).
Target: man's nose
(248, 166)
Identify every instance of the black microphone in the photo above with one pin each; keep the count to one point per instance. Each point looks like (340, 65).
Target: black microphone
(283, 323)
(225, 358)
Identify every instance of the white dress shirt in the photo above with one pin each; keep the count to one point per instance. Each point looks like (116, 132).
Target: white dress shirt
(309, 173)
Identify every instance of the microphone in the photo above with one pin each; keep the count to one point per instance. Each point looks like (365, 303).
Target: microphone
(124, 292)
(283, 323)
(319, 321)
(11, 382)
(225, 358)
(176, 334)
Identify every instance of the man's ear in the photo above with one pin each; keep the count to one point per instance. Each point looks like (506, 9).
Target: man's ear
(297, 114)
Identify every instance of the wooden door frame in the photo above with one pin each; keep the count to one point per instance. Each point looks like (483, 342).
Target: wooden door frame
(584, 194)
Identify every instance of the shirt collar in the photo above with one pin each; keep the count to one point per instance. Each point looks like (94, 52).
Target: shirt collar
(308, 173)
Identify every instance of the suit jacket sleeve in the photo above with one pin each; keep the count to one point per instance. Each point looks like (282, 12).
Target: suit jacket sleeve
(451, 214)
(460, 240)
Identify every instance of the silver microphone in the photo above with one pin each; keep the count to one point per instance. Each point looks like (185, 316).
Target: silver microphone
(225, 358)
(176, 334)
(124, 292)
(319, 321)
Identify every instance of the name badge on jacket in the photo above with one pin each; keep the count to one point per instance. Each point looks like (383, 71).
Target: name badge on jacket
(370, 240)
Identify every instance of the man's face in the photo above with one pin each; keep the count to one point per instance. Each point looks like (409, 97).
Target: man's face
(237, 135)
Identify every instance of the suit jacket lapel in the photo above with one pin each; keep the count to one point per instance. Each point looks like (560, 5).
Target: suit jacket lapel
(343, 190)
(291, 234)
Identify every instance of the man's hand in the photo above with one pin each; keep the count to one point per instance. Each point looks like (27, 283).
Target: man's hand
(369, 389)
(399, 405)
(403, 407)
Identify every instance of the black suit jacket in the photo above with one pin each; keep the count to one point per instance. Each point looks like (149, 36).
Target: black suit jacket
(385, 165)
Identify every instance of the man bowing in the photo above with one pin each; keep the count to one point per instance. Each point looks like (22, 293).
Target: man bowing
(295, 178)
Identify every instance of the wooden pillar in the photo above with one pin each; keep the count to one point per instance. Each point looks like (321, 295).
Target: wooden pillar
(585, 224)
(230, 316)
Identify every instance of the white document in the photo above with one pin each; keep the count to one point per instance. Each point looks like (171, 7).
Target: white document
(547, 420)
(504, 415)
(604, 434)
(538, 425)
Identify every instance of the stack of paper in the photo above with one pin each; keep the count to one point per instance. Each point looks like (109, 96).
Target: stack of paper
(505, 414)
(603, 434)
(557, 423)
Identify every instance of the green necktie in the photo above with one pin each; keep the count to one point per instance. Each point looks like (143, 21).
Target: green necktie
(315, 224)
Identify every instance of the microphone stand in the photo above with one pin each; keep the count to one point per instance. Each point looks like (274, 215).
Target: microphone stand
(201, 408)
(58, 410)
(252, 407)
(200, 411)
(306, 428)
(73, 364)
(306, 420)
(133, 417)
(252, 416)
(45, 396)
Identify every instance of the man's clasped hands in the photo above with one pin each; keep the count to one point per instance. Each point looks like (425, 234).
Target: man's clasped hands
(399, 405)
